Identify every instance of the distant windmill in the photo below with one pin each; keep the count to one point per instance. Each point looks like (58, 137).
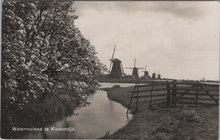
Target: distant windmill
(115, 69)
(146, 74)
(159, 76)
(134, 69)
(153, 76)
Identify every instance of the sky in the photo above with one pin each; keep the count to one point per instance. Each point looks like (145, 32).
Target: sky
(177, 39)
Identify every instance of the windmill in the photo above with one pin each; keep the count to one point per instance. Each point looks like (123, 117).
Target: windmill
(159, 76)
(115, 69)
(146, 74)
(134, 69)
(153, 77)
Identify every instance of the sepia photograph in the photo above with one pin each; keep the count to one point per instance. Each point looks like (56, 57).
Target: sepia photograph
(139, 70)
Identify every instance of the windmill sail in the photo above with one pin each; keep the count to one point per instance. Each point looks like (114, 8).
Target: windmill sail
(111, 60)
(123, 73)
(135, 63)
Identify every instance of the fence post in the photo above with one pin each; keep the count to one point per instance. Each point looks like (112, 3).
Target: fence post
(152, 87)
(197, 92)
(168, 94)
(174, 90)
(137, 96)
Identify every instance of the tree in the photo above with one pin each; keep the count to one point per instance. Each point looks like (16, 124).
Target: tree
(44, 54)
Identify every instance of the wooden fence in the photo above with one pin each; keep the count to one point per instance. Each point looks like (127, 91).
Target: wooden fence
(175, 93)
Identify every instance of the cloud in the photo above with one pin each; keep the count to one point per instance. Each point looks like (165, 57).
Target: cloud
(180, 9)
(179, 39)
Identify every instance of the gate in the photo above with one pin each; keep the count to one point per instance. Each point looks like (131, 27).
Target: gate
(174, 93)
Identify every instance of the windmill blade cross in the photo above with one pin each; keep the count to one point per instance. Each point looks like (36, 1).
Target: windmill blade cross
(135, 62)
(122, 69)
(128, 67)
(110, 66)
(113, 52)
(112, 59)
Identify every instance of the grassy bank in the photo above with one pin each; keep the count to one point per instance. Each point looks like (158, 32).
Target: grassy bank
(36, 115)
(183, 123)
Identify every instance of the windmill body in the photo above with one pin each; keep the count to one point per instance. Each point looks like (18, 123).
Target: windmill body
(135, 72)
(153, 75)
(116, 70)
(146, 75)
(159, 76)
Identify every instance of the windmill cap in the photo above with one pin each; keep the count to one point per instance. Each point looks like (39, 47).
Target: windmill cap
(116, 60)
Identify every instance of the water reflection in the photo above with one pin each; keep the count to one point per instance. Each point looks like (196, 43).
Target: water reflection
(93, 121)
(44, 135)
(109, 85)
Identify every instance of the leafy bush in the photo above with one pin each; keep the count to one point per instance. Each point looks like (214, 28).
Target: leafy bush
(44, 53)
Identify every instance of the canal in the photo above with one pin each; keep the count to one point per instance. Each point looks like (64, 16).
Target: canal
(101, 116)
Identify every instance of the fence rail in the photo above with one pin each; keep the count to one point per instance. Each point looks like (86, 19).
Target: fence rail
(173, 93)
